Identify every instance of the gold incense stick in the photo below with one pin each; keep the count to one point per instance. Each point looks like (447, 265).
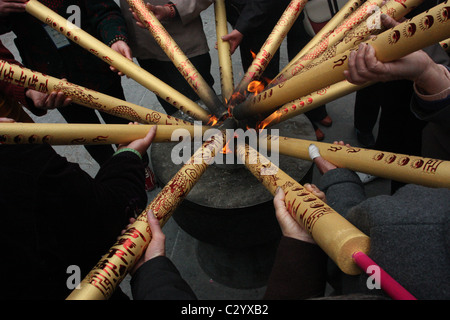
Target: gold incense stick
(400, 167)
(223, 50)
(333, 233)
(89, 134)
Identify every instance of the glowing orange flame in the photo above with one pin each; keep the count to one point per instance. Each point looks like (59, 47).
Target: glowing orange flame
(256, 87)
(212, 120)
(274, 118)
(253, 54)
(226, 149)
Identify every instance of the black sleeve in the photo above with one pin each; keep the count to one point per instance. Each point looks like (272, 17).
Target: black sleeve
(343, 189)
(159, 279)
(299, 271)
(255, 15)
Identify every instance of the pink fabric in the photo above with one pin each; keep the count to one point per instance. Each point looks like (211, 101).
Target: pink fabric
(388, 284)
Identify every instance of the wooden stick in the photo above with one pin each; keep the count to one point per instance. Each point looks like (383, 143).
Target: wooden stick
(179, 59)
(90, 134)
(333, 233)
(423, 30)
(104, 278)
(115, 59)
(223, 50)
(26, 78)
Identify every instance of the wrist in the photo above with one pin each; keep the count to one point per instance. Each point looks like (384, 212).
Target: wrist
(117, 39)
(434, 79)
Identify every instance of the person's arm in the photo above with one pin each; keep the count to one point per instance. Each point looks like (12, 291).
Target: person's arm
(110, 25)
(429, 77)
(254, 15)
(299, 270)
(342, 187)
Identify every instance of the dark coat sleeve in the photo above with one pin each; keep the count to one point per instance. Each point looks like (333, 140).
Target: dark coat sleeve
(108, 21)
(159, 279)
(255, 15)
(299, 271)
(343, 189)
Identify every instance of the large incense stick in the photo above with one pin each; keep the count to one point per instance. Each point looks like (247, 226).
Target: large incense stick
(338, 238)
(103, 279)
(88, 134)
(311, 101)
(223, 50)
(423, 30)
(116, 60)
(179, 59)
(349, 8)
(26, 78)
(333, 233)
(359, 16)
(400, 167)
(269, 48)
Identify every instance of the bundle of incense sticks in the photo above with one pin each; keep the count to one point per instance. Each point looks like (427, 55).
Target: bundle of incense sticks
(421, 31)
(179, 59)
(115, 59)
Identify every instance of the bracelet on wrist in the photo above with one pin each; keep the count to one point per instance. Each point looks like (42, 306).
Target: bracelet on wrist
(172, 10)
(128, 149)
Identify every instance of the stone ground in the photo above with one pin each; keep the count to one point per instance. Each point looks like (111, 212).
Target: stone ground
(181, 247)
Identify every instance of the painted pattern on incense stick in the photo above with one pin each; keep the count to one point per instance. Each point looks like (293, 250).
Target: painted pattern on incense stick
(90, 134)
(103, 279)
(26, 78)
(333, 233)
(116, 60)
(311, 101)
(179, 59)
(421, 31)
